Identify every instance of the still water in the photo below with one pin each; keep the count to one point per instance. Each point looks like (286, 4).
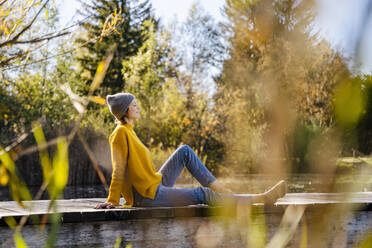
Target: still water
(192, 232)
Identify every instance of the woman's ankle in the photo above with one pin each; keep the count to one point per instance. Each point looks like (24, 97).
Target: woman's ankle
(219, 188)
(276, 192)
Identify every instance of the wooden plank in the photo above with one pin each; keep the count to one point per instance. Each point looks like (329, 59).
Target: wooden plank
(81, 210)
(325, 198)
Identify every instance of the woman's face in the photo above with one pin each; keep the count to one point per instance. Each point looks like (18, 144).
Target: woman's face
(133, 110)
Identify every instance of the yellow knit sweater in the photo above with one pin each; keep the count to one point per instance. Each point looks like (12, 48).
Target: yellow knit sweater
(132, 166)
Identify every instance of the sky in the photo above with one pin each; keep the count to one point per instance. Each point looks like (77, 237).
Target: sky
(167, 9)
(338, 21)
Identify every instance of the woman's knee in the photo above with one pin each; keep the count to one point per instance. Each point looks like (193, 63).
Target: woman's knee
(185, 147)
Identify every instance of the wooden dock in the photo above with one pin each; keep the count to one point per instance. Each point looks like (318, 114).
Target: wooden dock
(340, 219)
(82, 210)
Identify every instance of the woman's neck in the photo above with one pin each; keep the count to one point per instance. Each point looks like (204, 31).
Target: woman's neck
(130, 121)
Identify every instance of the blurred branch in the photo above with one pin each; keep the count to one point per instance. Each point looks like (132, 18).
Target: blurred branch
(110, 28)
(290, 220)
(79, 103)
(38, 195)
(49, 57)
(35, 148)
(101, 71)
(93, 160)
(35, 40)
(52, 35)
(5, 62)
(2, 2)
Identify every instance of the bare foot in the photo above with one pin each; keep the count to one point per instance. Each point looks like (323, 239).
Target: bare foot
(276, 192)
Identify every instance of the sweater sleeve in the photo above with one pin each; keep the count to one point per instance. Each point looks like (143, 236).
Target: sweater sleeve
(119, 157)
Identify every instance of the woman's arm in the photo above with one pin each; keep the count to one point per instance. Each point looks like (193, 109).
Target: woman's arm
(119, 158)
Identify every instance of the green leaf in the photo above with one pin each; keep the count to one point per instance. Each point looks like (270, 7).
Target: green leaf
(367, 241)
(117, 242)
(18, 190)
(60, 165)
(6, 160)
(349, 103)
(43, 153)
(10, 221)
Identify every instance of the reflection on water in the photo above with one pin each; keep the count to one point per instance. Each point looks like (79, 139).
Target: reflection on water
(301, 183)
(179, 232)
(253, 183)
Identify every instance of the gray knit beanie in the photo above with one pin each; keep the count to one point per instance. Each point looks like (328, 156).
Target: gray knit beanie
(119, 103)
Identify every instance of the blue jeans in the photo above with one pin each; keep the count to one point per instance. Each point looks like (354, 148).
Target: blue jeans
(169, 196)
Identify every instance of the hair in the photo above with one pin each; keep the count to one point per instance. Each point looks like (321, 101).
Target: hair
(122, 121)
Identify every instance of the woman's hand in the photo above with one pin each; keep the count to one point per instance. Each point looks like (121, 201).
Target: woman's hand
(104, 205)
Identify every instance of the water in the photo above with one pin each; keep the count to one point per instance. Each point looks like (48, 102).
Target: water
(189, 232)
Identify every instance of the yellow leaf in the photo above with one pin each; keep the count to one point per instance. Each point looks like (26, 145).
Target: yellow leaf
(46, 13)
(18, 240)
(98, 77)
(304, 238)
(186, 121)
(98, 100)
(100, 67)
(4, 177)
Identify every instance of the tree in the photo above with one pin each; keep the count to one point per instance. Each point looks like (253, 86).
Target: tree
(151, 75)
(278, 70)
(199, 50)
(127, 38)
(145, 74)
(20, 35)
(27, 93)
(21, 104)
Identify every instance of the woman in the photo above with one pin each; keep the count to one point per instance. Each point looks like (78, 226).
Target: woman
(135, 178)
